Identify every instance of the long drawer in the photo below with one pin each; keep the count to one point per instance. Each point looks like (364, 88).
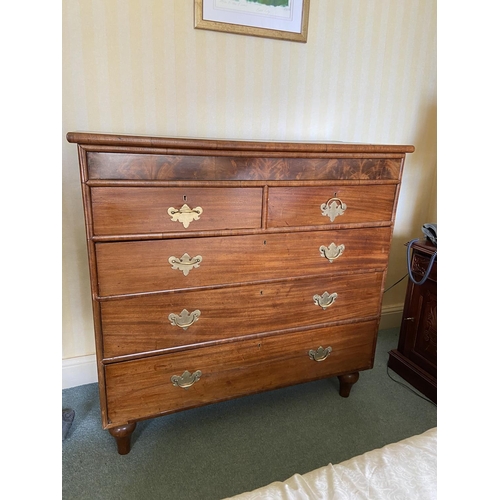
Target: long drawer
(148, 323)
(144, 388)
(146, 266)
(144, 210)
(304, 206)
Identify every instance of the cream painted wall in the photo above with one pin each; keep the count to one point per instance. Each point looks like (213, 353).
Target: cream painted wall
(366, 74)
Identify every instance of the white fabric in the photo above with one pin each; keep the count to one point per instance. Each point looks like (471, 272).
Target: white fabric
(403, 470)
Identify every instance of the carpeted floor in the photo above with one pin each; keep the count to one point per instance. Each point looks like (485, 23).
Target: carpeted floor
(220, 450)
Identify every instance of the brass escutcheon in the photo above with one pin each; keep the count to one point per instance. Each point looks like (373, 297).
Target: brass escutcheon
(185, 263)
(320, 354)
(325, 300)
(332, 208)
(185, 214)
(332, 251)
(185, 319)
(186, 379)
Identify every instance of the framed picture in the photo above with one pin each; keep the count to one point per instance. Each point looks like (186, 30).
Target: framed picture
(282, 19)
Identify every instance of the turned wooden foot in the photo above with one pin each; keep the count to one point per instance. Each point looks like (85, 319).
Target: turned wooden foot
(346, 382)
(122, 436)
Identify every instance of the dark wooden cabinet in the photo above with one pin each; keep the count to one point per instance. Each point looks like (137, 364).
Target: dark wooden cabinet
(415, 359)
(225, 268)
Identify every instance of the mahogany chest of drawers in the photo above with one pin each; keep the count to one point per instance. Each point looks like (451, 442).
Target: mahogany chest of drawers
(224, 268)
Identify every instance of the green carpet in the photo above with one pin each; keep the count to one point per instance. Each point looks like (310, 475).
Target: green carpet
(223, 449)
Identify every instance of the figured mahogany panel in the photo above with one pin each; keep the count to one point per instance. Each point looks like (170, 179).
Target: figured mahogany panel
(301, 206)
(143, 388)
(346, 168)
(143, 266)
(140, 324)
(128, 166)
(133, 210)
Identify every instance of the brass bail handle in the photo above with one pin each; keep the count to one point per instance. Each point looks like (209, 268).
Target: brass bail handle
(186, 380)
(185, 319)
(325, 300)
(320, 354)
(333, 208)
(185, 214)
(185, 263)
(332, 251)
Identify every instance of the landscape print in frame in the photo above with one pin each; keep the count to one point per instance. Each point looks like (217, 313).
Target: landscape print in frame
(281, 19)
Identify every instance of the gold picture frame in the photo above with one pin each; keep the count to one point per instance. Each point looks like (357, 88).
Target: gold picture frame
(280, 19)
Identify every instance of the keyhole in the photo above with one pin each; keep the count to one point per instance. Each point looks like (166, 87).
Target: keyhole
(185, 198)
(265, 242)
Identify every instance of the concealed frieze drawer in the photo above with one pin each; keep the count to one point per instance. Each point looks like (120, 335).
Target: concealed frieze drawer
(127, 166)
(148, 323)
(143, 388)
(143, 210)
(148, 266)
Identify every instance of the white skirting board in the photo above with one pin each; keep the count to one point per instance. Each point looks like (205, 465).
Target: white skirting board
(391, 317)
(79, 371)
(83, 369)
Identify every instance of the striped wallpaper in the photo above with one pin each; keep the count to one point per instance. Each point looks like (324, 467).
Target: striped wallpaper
(366, 74)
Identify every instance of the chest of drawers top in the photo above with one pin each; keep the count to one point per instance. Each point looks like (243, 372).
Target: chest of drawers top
(138, 158)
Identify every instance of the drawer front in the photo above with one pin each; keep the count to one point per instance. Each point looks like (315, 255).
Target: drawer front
(128, 166)
(144, 388)
(144, 210)
(305, 206)
(147, 323)
(144, 266)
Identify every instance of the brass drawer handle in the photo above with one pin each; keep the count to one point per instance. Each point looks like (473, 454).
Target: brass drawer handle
(185, 263)
(186, 379)
(325, 300)
(185, 214)
(185, 319)
(320, 354)
(332, 251)
(332, 208)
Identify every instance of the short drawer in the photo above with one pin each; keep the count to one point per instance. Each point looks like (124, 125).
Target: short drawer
(146, 387)
(311, 206)
(148, 323)
(144, 210)
(147, 266)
